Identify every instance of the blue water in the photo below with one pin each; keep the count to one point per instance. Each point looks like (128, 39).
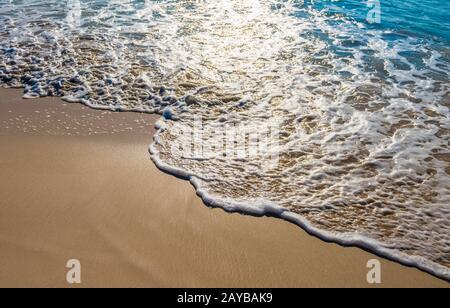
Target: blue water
(429, 19)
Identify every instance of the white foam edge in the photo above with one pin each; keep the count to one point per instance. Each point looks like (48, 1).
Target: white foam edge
(72, 100)
(266, 208)
(273, 210)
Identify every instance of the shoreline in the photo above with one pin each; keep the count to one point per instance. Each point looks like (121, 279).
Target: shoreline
(136, 220)
(274, 211)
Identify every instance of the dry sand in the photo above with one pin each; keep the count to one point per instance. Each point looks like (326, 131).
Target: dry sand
(69, 188)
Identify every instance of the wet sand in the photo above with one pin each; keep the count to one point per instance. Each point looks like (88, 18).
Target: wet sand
(79, 184)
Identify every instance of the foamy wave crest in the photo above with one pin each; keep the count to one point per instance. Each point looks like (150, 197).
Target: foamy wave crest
(269, 107)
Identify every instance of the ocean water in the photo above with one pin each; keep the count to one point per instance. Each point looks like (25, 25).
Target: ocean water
(330, 114)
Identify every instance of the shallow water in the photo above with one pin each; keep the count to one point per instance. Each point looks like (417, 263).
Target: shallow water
(308, 110)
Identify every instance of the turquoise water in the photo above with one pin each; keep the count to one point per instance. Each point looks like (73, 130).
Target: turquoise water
(429, 19)
(350, 104)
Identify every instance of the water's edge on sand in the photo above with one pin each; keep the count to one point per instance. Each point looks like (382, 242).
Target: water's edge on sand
(100, 199)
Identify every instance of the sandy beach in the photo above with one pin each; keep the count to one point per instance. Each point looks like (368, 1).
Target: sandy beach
(74, 188)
